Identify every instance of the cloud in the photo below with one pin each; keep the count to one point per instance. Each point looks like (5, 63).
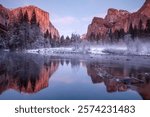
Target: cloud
(86, 19)
(67, 20)
(69, 24)
(89, 18)
(66, 24)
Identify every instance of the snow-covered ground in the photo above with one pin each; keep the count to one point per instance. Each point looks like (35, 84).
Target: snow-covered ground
(66, 50)
(91, 51)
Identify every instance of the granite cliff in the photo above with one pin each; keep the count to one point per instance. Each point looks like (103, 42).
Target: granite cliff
(26, 27)
(42, 18)
(118, 20)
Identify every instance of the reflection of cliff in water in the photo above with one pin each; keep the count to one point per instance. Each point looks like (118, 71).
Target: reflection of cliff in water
(117, 77)
(24, 72)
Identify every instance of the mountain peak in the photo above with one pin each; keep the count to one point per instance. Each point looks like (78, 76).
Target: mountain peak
(144, 10)
(30, 8)
(118, 20)
(113, 15)
(147, 0)
(42, 18)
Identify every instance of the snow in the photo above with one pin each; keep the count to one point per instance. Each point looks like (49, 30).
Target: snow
(94, 50)
(65, 50)
(49, 51)
(126, 48)
(91, 51)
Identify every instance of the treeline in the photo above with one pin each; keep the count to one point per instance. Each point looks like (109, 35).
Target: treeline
(140, 31)
(25, 18)
(66, 41)
(134, 31)
(23, 32)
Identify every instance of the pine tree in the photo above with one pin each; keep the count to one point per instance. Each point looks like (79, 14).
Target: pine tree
(92, 36)
(26, 18)
(122, 33)
(135, 31)
(110, 34)
(97, 37)
(62, 39)
(50, 35)
(21, 19)
(33, 18)
(117, 35)
(148, 26)
(140, 26)
(46, 35)
(67, 38)
(131, 31)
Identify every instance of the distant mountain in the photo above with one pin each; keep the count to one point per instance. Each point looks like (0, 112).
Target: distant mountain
(27, 27)
(118, 20)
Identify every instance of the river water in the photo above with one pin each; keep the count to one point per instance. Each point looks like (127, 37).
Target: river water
(25, 76)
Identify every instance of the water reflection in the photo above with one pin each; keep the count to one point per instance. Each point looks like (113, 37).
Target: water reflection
(71, 78)
(25, 73)
(118, 78)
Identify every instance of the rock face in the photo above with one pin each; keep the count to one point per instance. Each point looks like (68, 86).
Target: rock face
(42, 18)
(98, 27)
(4, 16)
(115, 15)
(12, 16)
(33, 74)
(117, 20)
(117, 78)
(144, 10)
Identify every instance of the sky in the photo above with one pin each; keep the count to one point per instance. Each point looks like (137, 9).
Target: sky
(74, 16)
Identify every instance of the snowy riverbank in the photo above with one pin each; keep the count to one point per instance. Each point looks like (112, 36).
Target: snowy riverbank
(89, 51)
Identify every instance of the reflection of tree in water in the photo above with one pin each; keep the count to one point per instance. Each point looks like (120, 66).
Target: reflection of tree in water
(25, 73)
(62, 62)
(75, 63)
(67, 61)
(119, 78)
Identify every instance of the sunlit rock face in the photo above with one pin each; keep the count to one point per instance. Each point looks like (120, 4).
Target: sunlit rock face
(144, 10)
(11, 16)
(117, 78)
(30, 75)
(99, 26)
(42, 18)
(4, 15)
(114, 15)
(142, 14)
(117, 20)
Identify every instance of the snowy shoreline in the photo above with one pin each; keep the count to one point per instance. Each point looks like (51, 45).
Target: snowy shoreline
(92, 51)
